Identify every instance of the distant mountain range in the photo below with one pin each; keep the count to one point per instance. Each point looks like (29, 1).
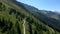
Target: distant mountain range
(51, 14)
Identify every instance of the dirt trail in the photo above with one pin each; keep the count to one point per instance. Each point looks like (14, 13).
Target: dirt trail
(24, 26)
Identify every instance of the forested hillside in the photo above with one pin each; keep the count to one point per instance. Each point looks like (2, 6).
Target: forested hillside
(15, 19)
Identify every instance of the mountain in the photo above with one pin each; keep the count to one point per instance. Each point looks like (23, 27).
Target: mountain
(50, 14)
(15, 18)
(48, 17)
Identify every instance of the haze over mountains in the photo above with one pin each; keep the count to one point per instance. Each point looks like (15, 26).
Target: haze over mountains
(51, 14)
(20, 18)
(49, 5)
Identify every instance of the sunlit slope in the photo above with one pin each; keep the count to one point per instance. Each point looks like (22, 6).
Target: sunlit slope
(16, 20)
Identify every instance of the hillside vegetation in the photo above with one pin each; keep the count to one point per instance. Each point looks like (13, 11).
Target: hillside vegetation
(15, 19)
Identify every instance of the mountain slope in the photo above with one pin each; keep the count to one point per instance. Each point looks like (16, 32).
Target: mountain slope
(14, 19)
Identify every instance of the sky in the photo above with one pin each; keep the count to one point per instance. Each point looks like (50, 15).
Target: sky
(52, 5)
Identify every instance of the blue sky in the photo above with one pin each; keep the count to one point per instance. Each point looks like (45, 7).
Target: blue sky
(53, 5)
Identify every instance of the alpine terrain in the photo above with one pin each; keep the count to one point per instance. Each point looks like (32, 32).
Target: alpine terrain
(19, 18)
